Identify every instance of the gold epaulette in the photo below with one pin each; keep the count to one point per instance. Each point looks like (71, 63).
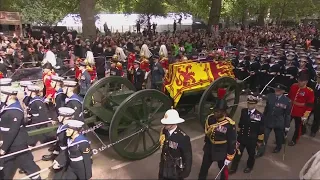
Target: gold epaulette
(261, 137)
(89, 68)
(232, 122)
(310, 89)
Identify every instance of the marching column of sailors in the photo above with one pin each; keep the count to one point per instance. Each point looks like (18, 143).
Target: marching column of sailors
(71, 154)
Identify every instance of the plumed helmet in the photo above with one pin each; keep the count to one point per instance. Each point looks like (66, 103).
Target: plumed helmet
(221, 103)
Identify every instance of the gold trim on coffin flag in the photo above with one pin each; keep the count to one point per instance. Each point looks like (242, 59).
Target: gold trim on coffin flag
(187, 77)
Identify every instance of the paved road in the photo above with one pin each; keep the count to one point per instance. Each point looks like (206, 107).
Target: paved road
(108, 165)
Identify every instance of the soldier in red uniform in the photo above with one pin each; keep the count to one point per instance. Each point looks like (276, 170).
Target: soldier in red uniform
(48, 89)
(130, 63)
(302, 98)
(164, 62)
(144, 65)
(77, 70)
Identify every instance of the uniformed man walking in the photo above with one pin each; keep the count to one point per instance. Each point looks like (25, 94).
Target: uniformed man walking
(37, 112)
(176, 155)
(138, 76)
(15, 136)
(65, 114)
(220, 139)
(78, 159)
(302, 98)
(26, 97)
(85, 79)
(276, 117)
(73, 101)
(59, 97)
(250, 134)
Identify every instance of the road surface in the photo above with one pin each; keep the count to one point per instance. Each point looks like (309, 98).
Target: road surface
(108, 165)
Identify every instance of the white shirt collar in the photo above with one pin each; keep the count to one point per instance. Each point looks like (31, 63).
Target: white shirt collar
(251, 111)
(172, 130)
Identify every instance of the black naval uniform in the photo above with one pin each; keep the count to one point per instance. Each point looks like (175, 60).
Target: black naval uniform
(220, 144)
(254, 79)
(75, 102)
(78, 160)
(250, 132)
(37, 112)
(263, 75)
(138, 78)
(176, 155)
(59, 100)
(15, 138)
(316, 110)
(291, 75)
(114, 71)
(157, 75)
(277, 117)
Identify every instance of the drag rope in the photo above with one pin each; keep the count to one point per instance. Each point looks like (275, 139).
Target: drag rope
(94, 151)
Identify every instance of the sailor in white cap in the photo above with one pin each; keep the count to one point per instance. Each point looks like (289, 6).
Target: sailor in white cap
(14, 135)
(79, 153)
(59, 97)
(176, 148)
(4, 82)
(26, 98)
(65, 114)
(73, 100)
(37, 112)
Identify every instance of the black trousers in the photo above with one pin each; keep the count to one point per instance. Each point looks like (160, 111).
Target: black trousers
(74, 174)
(250, 146)
(315, 123)
(23, 161)
(279, 133)
(206, 163)
(298, 129)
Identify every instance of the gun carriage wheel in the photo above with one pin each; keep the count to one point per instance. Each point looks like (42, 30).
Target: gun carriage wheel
(141, 111)
(209, 97)
(103, 98)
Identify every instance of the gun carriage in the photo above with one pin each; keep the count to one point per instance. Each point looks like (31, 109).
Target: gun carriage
(188, 86)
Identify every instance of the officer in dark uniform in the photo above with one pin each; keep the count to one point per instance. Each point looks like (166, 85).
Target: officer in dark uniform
(73, 100)
(59, 97)
(275, 70)
(78, 159)
(291, 72)
(250, 134)
(157, 75)
(276, 117)
(176, 155)
(254, 69)
(15, 136)
(243, 67)
(138, 76)
(220, 139)
(26, 98)
(65, 114)
(85, 79)
(316, 108)
(37, 113)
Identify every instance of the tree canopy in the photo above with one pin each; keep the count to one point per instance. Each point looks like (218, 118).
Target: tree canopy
(211, 11)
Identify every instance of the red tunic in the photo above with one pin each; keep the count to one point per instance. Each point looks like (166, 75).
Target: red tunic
(131, 59)
(50, 91)
(164, 63)
(144, 65)
(302, 100)
(1, 75)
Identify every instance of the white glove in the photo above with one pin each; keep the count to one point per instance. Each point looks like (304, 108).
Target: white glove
(227, 162)
(286, 129)
(304, 119)
(55, 165)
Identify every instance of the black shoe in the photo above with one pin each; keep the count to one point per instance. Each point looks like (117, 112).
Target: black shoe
(276, 150)
(22, 171)
(232, 171)
(247, 170)
(313, 134)
(48, 157)
(291, 143)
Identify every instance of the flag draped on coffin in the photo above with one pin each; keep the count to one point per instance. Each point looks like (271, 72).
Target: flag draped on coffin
(189, 76)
